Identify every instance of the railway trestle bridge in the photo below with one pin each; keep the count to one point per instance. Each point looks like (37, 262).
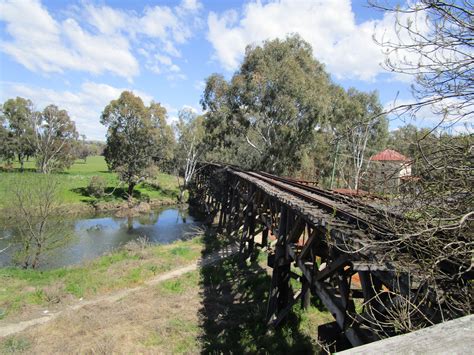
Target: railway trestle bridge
(323, 240)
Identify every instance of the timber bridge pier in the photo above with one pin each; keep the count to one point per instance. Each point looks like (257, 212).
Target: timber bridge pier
(331, 245)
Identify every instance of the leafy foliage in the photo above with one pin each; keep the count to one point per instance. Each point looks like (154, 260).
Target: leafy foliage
(130, 138)
(273, 103)
(18, 137)
(55, 139)
(165, 141)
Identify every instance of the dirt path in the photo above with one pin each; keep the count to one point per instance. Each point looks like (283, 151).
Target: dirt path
(13, 328)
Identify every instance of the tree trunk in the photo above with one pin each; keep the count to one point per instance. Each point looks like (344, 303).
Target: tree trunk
(181, 194)
(131, 186)
(21, 159)
(36, 258)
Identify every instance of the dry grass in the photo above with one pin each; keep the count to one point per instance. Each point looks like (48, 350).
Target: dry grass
(153, 320)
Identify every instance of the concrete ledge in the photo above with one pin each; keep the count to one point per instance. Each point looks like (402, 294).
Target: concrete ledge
(452, 337)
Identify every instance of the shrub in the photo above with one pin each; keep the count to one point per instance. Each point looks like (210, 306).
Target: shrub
(97, 186)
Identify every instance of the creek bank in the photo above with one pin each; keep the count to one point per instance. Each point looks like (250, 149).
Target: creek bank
(80, 209)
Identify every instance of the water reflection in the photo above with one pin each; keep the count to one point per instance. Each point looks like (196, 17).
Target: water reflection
(96, 235)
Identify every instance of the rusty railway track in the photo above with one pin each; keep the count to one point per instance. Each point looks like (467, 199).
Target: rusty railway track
(351, 211)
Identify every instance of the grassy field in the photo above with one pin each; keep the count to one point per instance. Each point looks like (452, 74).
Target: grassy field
(74, 181)
(22, 292)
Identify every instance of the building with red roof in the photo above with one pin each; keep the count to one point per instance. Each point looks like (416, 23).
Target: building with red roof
(389, 155)
(387, 169)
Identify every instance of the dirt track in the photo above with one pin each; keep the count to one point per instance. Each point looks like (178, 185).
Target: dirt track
(13, 328)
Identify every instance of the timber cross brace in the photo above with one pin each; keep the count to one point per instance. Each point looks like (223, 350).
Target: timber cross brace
(315, 237)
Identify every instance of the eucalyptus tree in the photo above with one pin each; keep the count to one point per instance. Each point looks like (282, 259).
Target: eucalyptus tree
(190, 148)
(360, 125)
(6, 150)
(55, 139)
(272, 103)
(18, 132)
(165, 141)
(404, 139)
(130, 139)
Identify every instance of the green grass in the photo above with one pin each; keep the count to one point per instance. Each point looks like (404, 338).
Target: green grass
(21, 289)
(15, 345)
(75, 180)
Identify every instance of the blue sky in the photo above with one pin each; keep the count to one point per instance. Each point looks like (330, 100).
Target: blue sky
(80, 55)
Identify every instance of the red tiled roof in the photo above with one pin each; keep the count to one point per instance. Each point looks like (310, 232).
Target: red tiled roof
(389, 154)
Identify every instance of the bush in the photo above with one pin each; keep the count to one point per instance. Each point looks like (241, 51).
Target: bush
(97, 186)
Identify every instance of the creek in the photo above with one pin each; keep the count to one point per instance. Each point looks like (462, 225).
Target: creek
(92, 236)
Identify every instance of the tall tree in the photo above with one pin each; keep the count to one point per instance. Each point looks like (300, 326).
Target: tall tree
(165, 141)
(360, 126)
(190, 132)
(404, 139)
(130, 138)
(6, 149)
(274, 101)
(82, 148)
(55, 137)
(18, 116)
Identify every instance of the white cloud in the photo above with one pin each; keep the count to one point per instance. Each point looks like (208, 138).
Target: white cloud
(41, 43)
(84, 105)
(199, 85)
(94, 39)
(173, 112)
(345, 47)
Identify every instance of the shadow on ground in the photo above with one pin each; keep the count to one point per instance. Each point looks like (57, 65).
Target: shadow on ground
(234, 301)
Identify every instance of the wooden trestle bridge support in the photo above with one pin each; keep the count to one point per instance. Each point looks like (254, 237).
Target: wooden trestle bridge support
(310, 236)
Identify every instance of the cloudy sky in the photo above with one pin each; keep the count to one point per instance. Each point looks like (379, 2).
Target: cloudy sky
(80, 55)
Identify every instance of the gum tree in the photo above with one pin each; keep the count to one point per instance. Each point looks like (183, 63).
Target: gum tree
(55, 138)
(272, 103)
(18, 116)
(130, 138)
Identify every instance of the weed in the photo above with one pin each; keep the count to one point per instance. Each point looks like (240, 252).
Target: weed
(15, 345)
(75, 289)
(37, 297)
(181, 251)
(153, 339)
(134, 275)
(173, 286)
(153, 269)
